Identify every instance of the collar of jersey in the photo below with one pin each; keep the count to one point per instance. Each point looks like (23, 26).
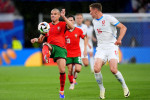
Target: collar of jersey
(99, 18)
(79, 26)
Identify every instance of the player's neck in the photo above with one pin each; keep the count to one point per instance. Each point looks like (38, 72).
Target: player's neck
(79, 24)
(99, 15)
(55, 22)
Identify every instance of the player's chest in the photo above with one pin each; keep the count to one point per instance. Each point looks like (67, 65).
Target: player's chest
(55, 29)
(102, 24)
(72, 36)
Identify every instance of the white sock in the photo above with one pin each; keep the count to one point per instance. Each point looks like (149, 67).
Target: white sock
(99, 79)
(92, 63)
(73, 67)
(121, 79)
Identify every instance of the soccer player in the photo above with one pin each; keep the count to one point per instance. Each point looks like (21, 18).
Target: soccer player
(90, 38)
(79, 24)
(106, 33)
(55, 45)
(72, 37)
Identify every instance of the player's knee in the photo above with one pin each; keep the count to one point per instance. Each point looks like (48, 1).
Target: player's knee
(62, 70)
(78, 70)
(91, 54)
(86, 63)
(96, 69)
(113, 70)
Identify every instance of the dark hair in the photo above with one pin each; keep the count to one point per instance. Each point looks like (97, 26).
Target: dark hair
(97, 6)
(79, 14)
(71, 16)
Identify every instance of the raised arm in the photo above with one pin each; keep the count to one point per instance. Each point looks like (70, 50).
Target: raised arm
(71, 26)
(39, 40)
(123, 30)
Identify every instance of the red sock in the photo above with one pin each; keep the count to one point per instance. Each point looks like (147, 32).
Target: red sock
(70, 77)
(62, 81)
(45, 51)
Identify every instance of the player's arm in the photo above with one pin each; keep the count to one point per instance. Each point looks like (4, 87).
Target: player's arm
(94, 39)
(71, 26)
(39, 40)
(123, 30)
(85, 45)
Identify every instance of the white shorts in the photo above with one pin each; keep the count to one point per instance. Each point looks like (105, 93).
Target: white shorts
(107, 52)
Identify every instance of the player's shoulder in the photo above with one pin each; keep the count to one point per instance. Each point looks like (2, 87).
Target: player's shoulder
(84, 25)
(108, 16)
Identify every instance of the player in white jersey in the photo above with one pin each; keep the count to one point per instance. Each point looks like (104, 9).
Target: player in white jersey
(106, 33)
(90, 38)
(79, 24)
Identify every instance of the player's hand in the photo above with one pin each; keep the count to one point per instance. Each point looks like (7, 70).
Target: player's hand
(34, 40)
(62, 12)
(118, 42)
(85, 53)
(89, 46)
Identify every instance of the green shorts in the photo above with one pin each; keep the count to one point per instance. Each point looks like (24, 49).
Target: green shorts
(73, 60)
(58, 52)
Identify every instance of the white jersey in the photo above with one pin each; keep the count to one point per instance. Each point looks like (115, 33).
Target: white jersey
(105, 29)
(84, 29)
(90, 34)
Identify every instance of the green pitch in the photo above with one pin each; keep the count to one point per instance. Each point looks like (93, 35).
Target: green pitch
(42, 83)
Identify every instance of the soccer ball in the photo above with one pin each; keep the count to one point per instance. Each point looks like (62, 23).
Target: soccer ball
(43, 27)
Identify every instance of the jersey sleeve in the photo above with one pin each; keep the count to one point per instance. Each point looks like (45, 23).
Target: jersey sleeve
(113, 20)
(81, 34)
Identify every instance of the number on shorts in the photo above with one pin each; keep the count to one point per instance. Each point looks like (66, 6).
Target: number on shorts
(79, 59)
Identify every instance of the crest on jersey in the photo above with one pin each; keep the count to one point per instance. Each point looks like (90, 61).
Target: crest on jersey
(76, 35)
(103, 23)
(58, 28)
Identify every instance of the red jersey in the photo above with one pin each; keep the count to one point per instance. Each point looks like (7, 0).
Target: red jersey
(56, 34)
(72, 42)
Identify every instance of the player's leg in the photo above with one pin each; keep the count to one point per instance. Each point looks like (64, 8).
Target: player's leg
(91, 61)
(70, 76)
(113, 67)
(98, 76)
(90, 51)
(85, 62)
(60, 57)
(61, 62)
(46, 51)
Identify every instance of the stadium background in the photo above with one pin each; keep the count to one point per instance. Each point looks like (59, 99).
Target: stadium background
(21, 18)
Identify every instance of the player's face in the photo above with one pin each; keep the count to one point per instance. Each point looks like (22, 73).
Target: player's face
(71, 20)
(55, 15)
(79, 19)
(87, 22)
(93, 12)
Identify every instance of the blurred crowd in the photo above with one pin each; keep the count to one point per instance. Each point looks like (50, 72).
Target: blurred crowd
(141, 6)
(6, 6)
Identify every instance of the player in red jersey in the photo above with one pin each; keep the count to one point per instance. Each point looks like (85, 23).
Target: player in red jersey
(72, 37)
(55, 45)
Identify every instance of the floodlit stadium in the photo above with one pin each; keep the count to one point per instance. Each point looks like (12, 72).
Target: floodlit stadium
(39, 61)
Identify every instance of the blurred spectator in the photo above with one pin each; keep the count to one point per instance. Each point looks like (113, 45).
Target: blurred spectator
(6, 6)
(5, 46)
(140, 6)
(133, 42)
(16, 44)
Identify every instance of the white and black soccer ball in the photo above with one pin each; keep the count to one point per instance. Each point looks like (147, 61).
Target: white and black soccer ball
(43, 27)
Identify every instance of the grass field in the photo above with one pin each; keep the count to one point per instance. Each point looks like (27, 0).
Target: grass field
(42, 83)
